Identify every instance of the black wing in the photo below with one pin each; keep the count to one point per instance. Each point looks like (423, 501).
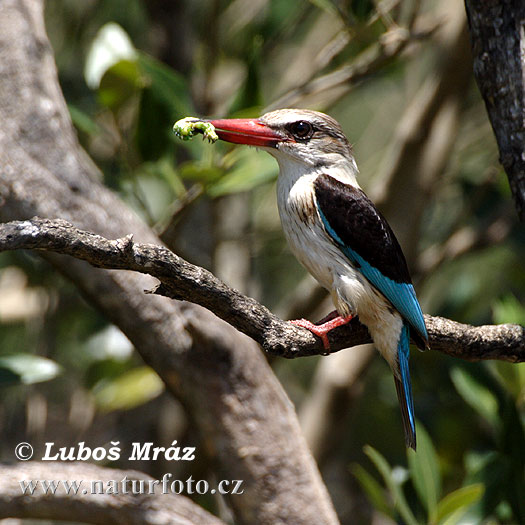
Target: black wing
(364, 236)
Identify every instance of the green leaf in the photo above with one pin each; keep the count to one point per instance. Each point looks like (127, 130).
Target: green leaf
(477, 395)
(120, 82)
(170, 88)
(200, 172)
(131, 389)
(375, 492)
(508, 310)
(493, 471)
(26, 369)
(454, 505)
(163, 169)
(424, 470)
(511, 376)
(164, 100)
(393, 486)
(250, 95)
(110, 46)
(251, 170)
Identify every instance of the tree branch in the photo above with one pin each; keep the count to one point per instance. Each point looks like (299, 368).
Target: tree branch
(248, 425)
(184, 281)
(94, 506)
(374, 57)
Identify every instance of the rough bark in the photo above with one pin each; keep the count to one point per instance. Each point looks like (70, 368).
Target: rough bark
(182, 280)
(250, 427)
(497, 33)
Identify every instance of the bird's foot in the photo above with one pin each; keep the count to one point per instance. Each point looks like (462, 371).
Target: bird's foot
(321, 330)
(332, 315)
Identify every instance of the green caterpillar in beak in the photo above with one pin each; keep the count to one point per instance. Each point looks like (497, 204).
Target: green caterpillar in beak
(188, 127)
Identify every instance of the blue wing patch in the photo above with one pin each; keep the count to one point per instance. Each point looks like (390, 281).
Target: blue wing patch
(401, 295)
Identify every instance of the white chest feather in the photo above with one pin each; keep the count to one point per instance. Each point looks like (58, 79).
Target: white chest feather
(350, 290)
(302, 227)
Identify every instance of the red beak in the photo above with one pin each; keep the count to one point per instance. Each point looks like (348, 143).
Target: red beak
(246, 131)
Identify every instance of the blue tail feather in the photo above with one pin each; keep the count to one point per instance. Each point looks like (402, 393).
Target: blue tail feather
(404, 387)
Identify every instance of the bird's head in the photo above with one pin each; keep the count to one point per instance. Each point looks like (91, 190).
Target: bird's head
(296, 136)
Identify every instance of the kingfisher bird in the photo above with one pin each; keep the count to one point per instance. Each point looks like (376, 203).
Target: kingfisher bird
(339, 236)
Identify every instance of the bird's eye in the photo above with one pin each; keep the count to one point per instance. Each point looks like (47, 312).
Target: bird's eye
(301, 130)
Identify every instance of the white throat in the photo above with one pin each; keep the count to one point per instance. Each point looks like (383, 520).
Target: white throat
(299, 214)
(291, 169)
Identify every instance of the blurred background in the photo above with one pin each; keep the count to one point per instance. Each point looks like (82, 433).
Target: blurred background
(397, 75)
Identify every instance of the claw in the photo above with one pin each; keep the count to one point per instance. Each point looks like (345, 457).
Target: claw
(322, 330)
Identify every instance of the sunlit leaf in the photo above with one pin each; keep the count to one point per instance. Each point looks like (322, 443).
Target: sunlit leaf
(131, 389)
(508, 310)
(26, 369)
(153, 195)
(250, 171)
(512, 377)
(110, 46)
(201, 172)
(454, 505)
(164, 169)
(105, 369)
(424, 470)
(120, 82)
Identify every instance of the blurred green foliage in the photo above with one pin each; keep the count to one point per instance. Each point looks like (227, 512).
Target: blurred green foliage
(231, 59)
(425, 476)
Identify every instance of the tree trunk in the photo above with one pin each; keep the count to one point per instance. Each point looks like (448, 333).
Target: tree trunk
(245, 417)
(497, 32)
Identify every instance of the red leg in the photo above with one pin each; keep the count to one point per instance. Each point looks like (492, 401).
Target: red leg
(322, 330)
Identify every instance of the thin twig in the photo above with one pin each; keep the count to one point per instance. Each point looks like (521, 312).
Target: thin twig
(367, 62)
